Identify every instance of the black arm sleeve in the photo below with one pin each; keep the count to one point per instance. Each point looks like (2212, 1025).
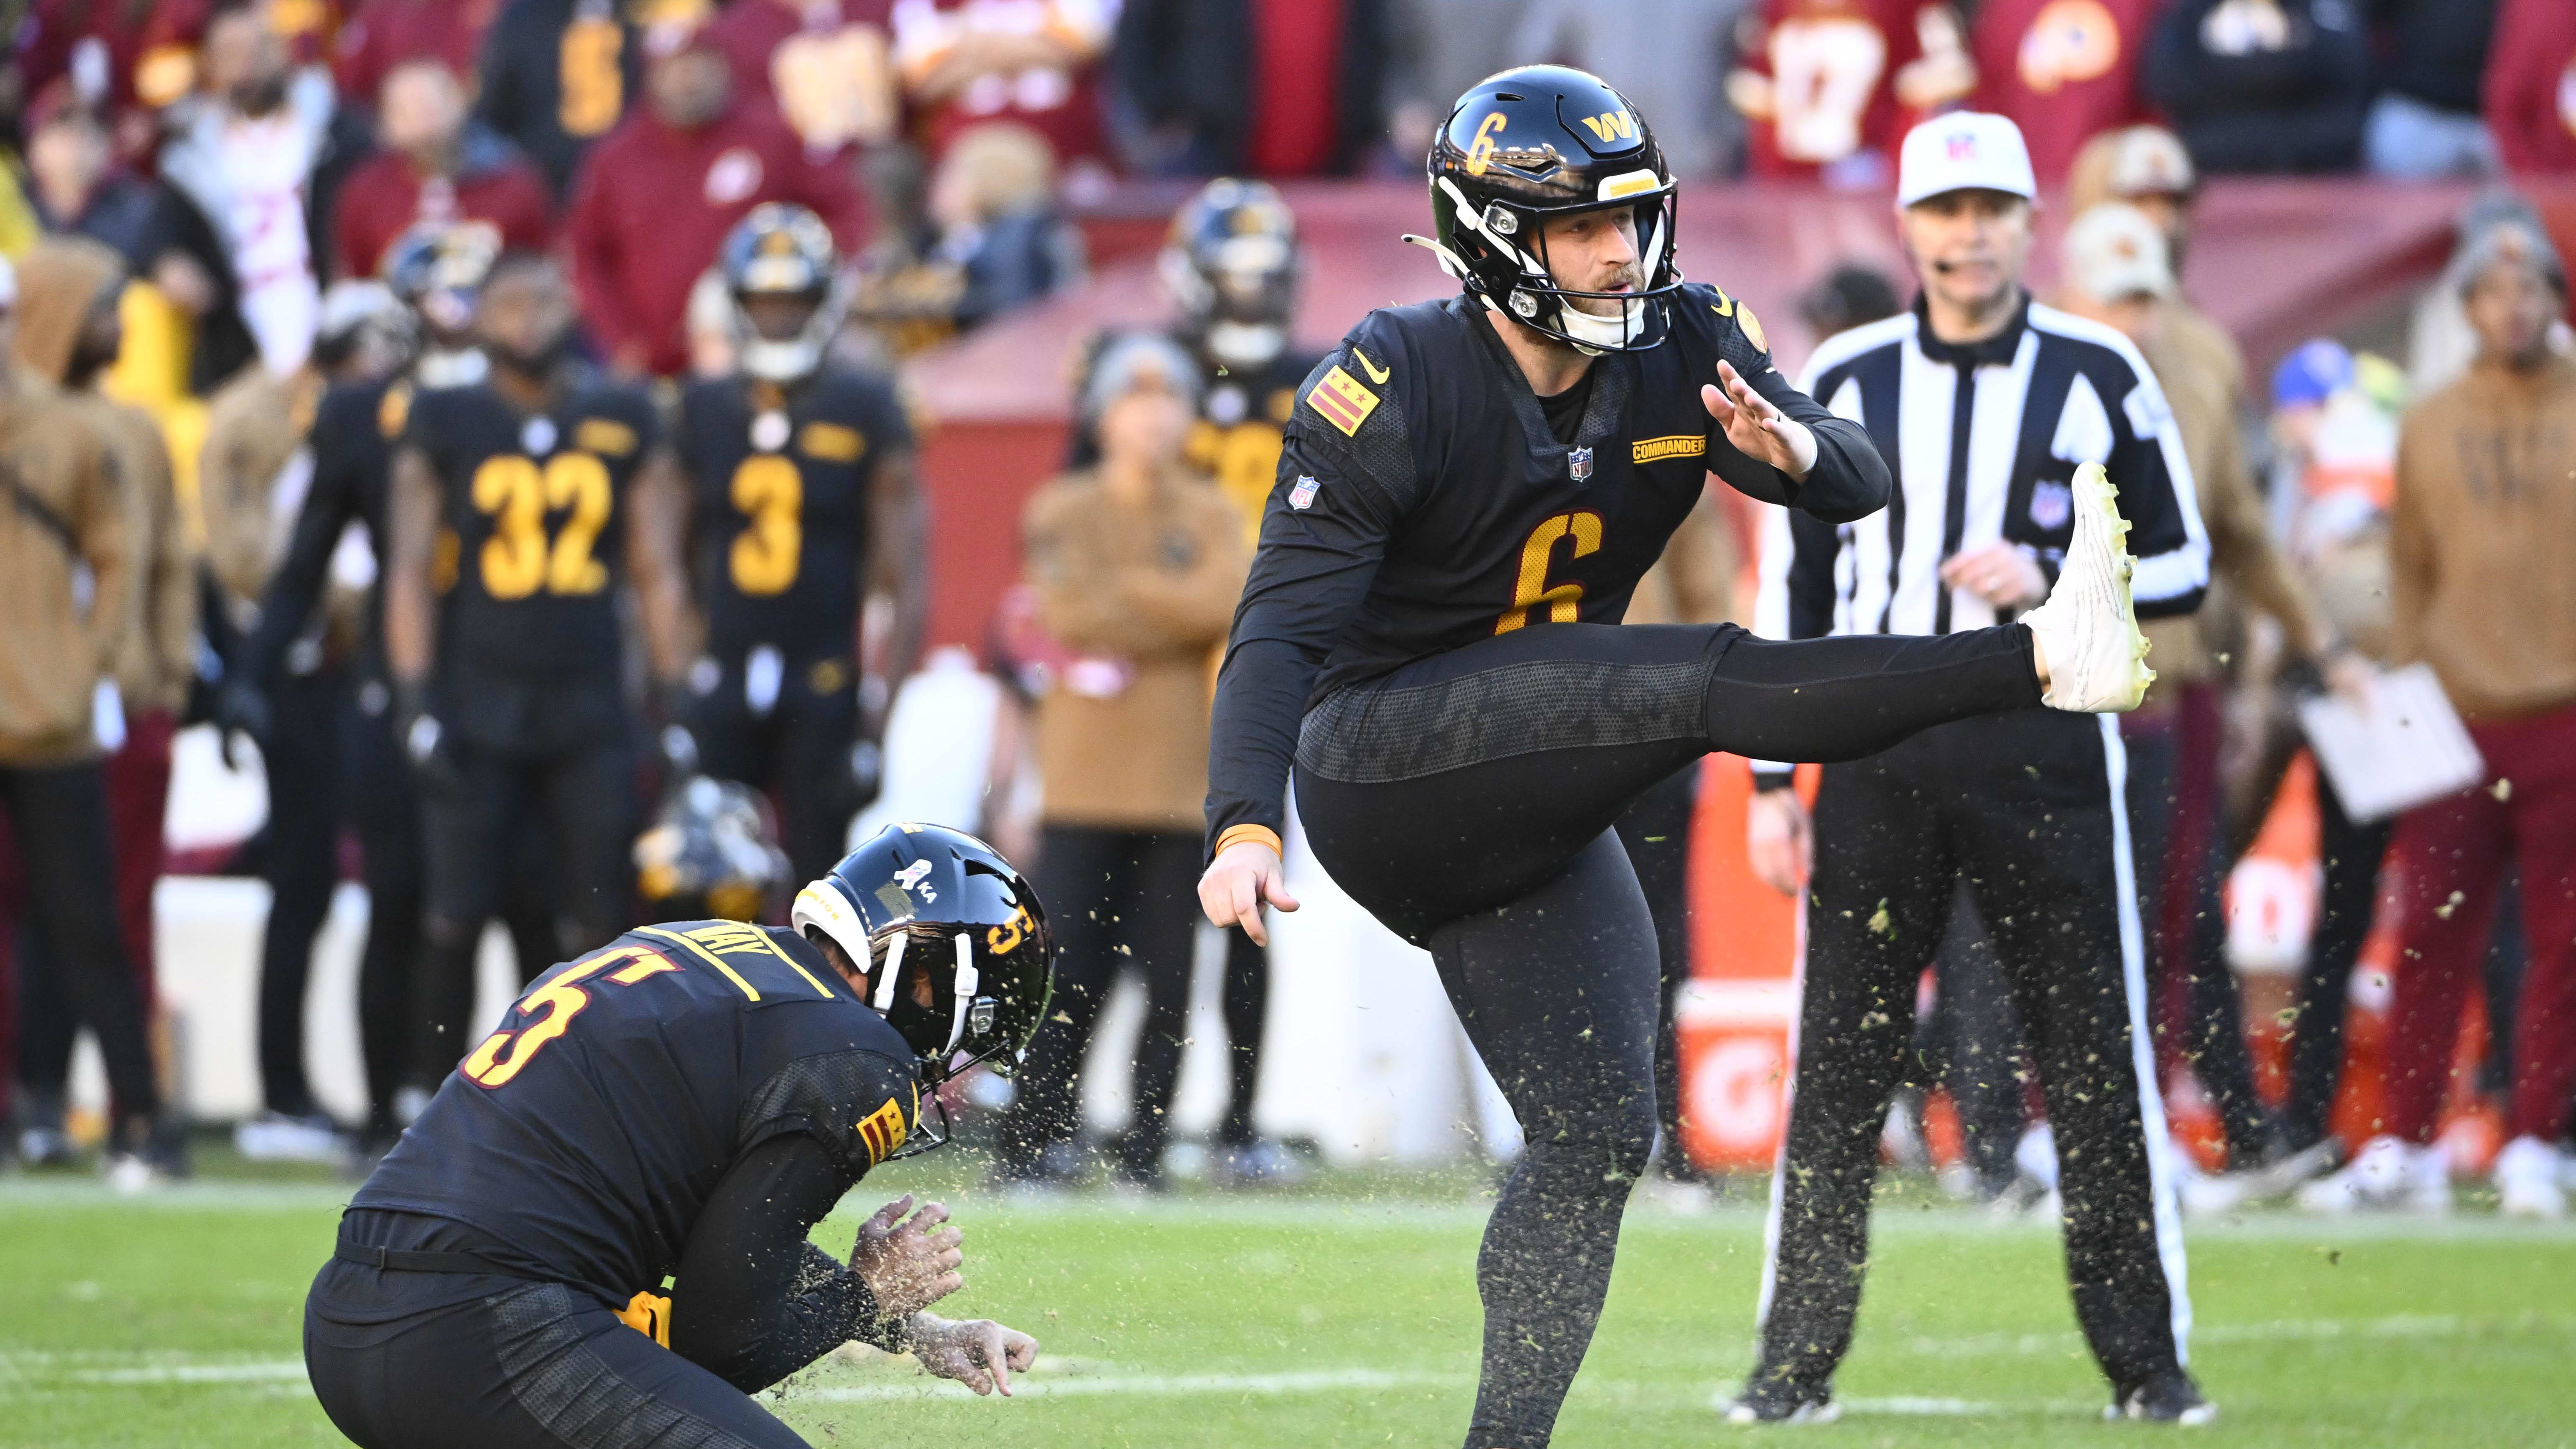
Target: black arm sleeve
(1850, 480)
(331, 502)
(755, 1300)
(1310, 576)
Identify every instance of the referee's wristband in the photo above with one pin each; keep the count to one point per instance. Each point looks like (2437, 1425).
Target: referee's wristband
(1237, 834)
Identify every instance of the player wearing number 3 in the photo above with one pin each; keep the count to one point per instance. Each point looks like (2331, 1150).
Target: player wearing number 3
(1468, 492)
(801, 504)
(686, 1103)
(519, 508)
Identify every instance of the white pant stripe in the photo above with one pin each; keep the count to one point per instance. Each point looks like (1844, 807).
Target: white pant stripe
(2142, 1053)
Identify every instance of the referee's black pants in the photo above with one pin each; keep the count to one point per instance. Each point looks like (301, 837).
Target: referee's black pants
(1467, 799)
(2027, 808)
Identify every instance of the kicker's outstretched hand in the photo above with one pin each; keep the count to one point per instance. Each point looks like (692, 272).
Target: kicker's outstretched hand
(1242, 877)
(1756, 428)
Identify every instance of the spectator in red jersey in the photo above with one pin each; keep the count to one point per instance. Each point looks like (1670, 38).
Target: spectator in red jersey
(93, 45)
(385, 33)
(2531, 85)
(963, 62)
(436, 166)
(2064, 70)
(826, 64)
(1253, 87)
(1830, 85)
(656, 198)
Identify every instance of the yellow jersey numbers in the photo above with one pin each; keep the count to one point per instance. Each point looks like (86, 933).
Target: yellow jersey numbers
(1564, 601)
(767, 553)
(519, 558)
(551, 1007)
(1344, 401)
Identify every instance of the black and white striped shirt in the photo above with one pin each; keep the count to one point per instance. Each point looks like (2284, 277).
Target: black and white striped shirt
(1983, 440)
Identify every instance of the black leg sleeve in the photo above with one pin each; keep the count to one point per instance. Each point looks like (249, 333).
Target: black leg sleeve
(1557, 992)
(1502, 759)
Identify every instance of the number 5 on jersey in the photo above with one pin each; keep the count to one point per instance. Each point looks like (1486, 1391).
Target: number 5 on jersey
(550, 1009)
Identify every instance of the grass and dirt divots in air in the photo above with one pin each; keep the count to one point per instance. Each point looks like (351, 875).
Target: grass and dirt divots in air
(1345, 1313)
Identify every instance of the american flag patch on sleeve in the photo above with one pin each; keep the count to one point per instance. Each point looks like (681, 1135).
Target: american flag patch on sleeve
(1343, 400)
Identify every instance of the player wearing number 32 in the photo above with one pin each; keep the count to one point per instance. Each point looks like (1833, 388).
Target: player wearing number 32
(801, 503)
(514, 522)
(1468, 493)
(686, 1103)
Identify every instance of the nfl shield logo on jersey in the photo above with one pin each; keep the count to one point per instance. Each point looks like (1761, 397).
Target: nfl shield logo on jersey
(2051, 505)
(1580, 462)
(1302, 496)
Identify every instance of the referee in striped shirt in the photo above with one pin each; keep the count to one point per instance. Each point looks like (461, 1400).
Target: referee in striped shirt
(1983, 404)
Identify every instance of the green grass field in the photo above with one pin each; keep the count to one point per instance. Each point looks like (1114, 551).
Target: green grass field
(1348, 1316)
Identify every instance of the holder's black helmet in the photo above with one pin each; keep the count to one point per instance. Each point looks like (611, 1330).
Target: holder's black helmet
(1537, 142)
(937, 914)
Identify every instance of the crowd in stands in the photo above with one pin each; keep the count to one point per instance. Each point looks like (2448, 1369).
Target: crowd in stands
(200, 194)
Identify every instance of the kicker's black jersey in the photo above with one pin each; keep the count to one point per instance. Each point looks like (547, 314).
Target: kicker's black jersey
(780, 489)
(586, 1134)
(1421, 503)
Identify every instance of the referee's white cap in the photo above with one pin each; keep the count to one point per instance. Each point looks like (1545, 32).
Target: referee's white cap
(1960, 150)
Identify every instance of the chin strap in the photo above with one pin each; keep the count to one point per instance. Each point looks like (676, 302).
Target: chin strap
(883, 1000)
(968, 978)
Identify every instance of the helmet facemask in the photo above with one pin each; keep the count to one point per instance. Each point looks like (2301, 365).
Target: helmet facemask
(1512, 241)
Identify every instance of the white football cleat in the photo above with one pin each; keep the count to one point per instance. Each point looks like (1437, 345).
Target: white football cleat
(2526, 1180)
(2386, 1175)
(2087, 629)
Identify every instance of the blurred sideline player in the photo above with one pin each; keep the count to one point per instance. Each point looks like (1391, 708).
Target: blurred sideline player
(432, 274)
(684, 1104)
(801, 502)
(1468, 492)
(516, 515)
(1231, 267)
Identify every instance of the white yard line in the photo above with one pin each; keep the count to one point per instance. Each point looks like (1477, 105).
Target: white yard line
(21, 1371)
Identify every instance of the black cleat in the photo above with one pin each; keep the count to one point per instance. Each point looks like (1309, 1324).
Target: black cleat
(2166, 1399)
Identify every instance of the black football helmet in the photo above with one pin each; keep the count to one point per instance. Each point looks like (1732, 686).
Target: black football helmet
(782, 250)
(1543, 141)
(959, 957)
(711, 853)
(1231, 264)
(437, 269)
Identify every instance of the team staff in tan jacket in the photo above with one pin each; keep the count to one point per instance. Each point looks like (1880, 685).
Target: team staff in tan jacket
(2486, 509)
(1137, 564)
(69, 333)
(66, 590)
